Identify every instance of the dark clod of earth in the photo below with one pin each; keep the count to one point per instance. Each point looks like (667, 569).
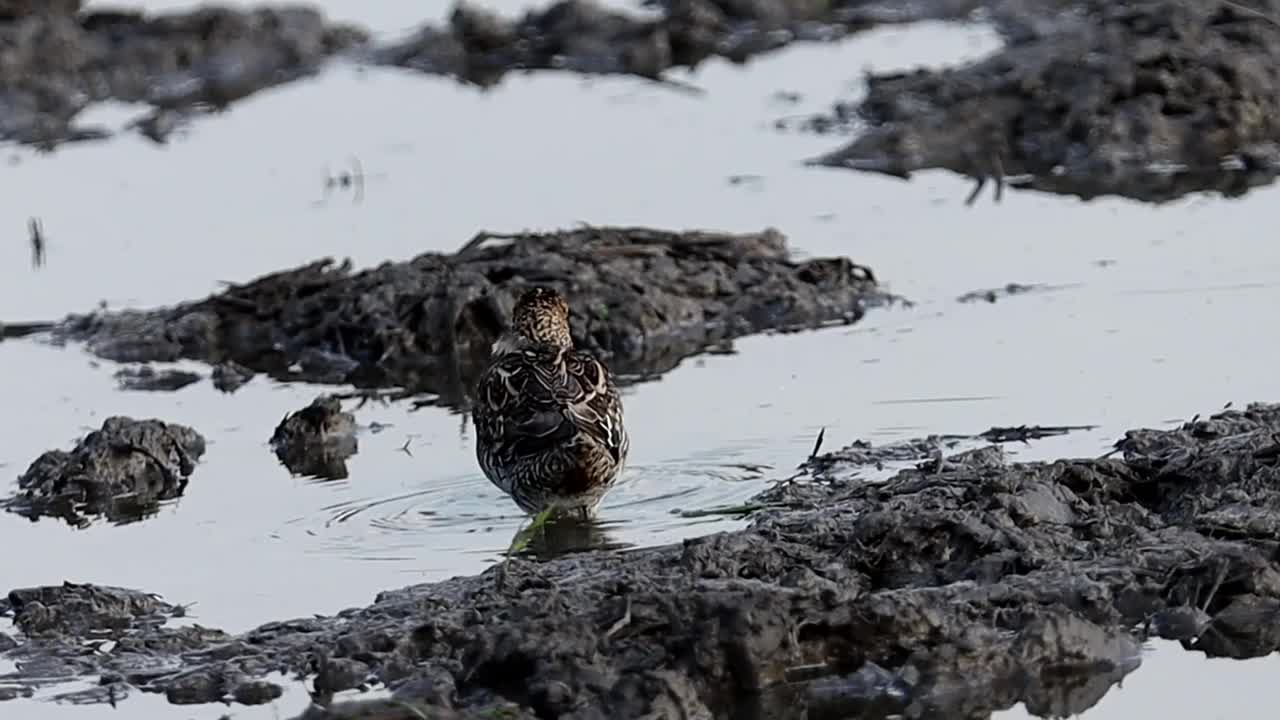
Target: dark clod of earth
(317, 440)
(643, 299)
(121, 472)
(1149, 100)
(953, 589)
(231, 376)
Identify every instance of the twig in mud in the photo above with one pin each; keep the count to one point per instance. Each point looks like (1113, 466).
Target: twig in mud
(1024, 433)
(1217, 583)
(741, 510)
(817, 444)
(683, 86)
(621, 623)
(36, 231)
(13, 331)
(485, 236)
(1251, 11)
(806, 673)
(385, 396)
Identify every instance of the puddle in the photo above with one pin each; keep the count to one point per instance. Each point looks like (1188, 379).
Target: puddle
(44, 706)
(1182, 685)
(1150, 335)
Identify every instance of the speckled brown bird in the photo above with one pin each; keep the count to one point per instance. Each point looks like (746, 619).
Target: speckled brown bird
(548, 417)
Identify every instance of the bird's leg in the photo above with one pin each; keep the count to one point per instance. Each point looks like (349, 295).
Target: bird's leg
(521, 540)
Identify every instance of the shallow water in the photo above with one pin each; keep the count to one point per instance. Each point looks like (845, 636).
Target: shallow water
(1153, 324)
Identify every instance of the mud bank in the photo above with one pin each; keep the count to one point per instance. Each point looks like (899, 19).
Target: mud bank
(63, 58)
(953, 589)
(580, 36)
(59, 60)
(1150, 100)
(643, 299)
(121, 472)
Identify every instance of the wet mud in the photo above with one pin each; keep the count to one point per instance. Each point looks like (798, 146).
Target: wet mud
(643, 299)
(1149, 101)
(182, 64)
(121, 472)
(481, 47)
(953, 589)
(1173, 97)
(317, 440)
(60, 60)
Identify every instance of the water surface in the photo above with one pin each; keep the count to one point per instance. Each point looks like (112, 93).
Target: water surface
(1154, 325)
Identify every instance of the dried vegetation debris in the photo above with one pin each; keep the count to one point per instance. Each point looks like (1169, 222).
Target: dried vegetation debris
(122, 472)
(1149, 100)
(955, 588)
(644, 299)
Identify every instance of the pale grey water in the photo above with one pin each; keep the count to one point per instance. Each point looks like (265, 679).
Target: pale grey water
(1175, 325)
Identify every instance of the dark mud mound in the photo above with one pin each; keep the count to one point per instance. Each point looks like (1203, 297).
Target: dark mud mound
(585, 37)
(644, 299)
(122, 472)
(954, 589)
(1149, 100)
(58, 61)
(317, 440)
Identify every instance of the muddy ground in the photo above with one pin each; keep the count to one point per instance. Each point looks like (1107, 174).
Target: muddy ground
(1150, 100)
(643, 299)
(122, 472)
(956, 588)
(60, 58)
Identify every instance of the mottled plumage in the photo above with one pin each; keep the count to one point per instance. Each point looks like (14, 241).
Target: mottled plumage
(548, 418)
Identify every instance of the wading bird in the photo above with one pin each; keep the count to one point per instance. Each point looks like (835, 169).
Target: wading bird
(548, 417)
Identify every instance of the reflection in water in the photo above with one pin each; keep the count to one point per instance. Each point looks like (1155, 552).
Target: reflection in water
(873, 693)
(326, 460)
(124, 509)
(463, 513)
(567, 535)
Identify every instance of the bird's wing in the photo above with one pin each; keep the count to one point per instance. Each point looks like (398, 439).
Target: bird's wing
(594, 403)
(522, 402)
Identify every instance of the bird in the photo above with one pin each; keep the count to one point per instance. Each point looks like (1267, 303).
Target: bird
(548, 416)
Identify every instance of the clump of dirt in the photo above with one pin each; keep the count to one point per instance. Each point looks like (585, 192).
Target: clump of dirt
(956, 588)
(643, 299)
(1149, 100)
(229, 377)
(317, 440)
(122, 472)
(84, 610)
